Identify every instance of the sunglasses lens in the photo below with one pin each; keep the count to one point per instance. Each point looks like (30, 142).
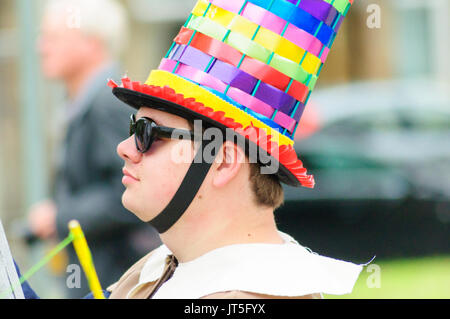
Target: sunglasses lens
(142, 130)
(140, 136)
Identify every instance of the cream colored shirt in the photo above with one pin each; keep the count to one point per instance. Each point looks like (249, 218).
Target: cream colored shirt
(278, 270)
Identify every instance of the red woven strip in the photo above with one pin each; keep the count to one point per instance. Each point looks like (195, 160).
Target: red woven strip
(265, 73)
(298, 91)
(210, 46)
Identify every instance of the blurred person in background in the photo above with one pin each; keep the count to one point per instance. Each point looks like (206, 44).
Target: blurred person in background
(80, 44)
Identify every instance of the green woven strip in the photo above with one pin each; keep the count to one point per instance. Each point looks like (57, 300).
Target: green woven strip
(208, 27)
(291, 69)
(312, 82)
(248, 47)
(340, 5)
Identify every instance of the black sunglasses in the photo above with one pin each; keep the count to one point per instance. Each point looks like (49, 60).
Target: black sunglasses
(146, 131)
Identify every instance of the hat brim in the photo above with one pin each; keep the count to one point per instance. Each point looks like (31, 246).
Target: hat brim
(137, 100)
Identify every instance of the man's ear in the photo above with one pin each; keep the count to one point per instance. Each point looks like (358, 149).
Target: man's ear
(230, 161)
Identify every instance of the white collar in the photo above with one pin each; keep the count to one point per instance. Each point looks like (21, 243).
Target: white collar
(287, 270)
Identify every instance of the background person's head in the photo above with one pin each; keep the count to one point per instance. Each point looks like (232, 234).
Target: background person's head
(79, 35)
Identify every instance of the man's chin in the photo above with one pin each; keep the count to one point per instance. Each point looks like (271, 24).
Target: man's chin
(129, 204)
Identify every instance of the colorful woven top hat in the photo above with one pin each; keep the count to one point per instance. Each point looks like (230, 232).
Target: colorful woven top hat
(246, 65)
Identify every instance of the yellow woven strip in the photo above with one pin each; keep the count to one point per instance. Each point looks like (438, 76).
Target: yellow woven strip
(268, 39)
(189, 89)
(200, 7)
(243, 26)
(220, 15)
(291, 51)
(310, 64)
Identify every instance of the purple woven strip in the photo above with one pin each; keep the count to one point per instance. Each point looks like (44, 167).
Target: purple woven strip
(235, 77)
(272, 96)
(299, 112)
(176, 52)
(339, 23)
(319, 9)
(195, 58)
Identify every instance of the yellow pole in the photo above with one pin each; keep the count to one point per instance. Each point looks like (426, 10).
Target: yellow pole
(85, 257)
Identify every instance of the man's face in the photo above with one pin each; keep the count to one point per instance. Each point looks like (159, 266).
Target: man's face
(62, 50)
(152, 179)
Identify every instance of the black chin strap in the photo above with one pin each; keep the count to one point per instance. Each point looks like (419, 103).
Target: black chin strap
(186, 193)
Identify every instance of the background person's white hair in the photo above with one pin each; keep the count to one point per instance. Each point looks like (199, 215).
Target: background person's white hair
(105, 19)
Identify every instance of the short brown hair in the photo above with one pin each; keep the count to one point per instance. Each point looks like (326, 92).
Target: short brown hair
(266, 187)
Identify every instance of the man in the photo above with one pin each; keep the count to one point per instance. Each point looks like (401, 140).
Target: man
(212, 130)
(79, 44)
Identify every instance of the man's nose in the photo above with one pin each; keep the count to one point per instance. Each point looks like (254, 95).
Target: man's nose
(127, 150)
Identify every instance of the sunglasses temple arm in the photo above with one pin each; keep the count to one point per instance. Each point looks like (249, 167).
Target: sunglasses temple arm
(174, 133)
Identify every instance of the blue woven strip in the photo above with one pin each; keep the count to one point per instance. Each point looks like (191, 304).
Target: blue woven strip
(298, 17)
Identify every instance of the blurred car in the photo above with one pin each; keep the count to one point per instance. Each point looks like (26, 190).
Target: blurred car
(380, 155)
(378, 141)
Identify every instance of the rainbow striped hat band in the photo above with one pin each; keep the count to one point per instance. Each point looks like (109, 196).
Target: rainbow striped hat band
(246, 65)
